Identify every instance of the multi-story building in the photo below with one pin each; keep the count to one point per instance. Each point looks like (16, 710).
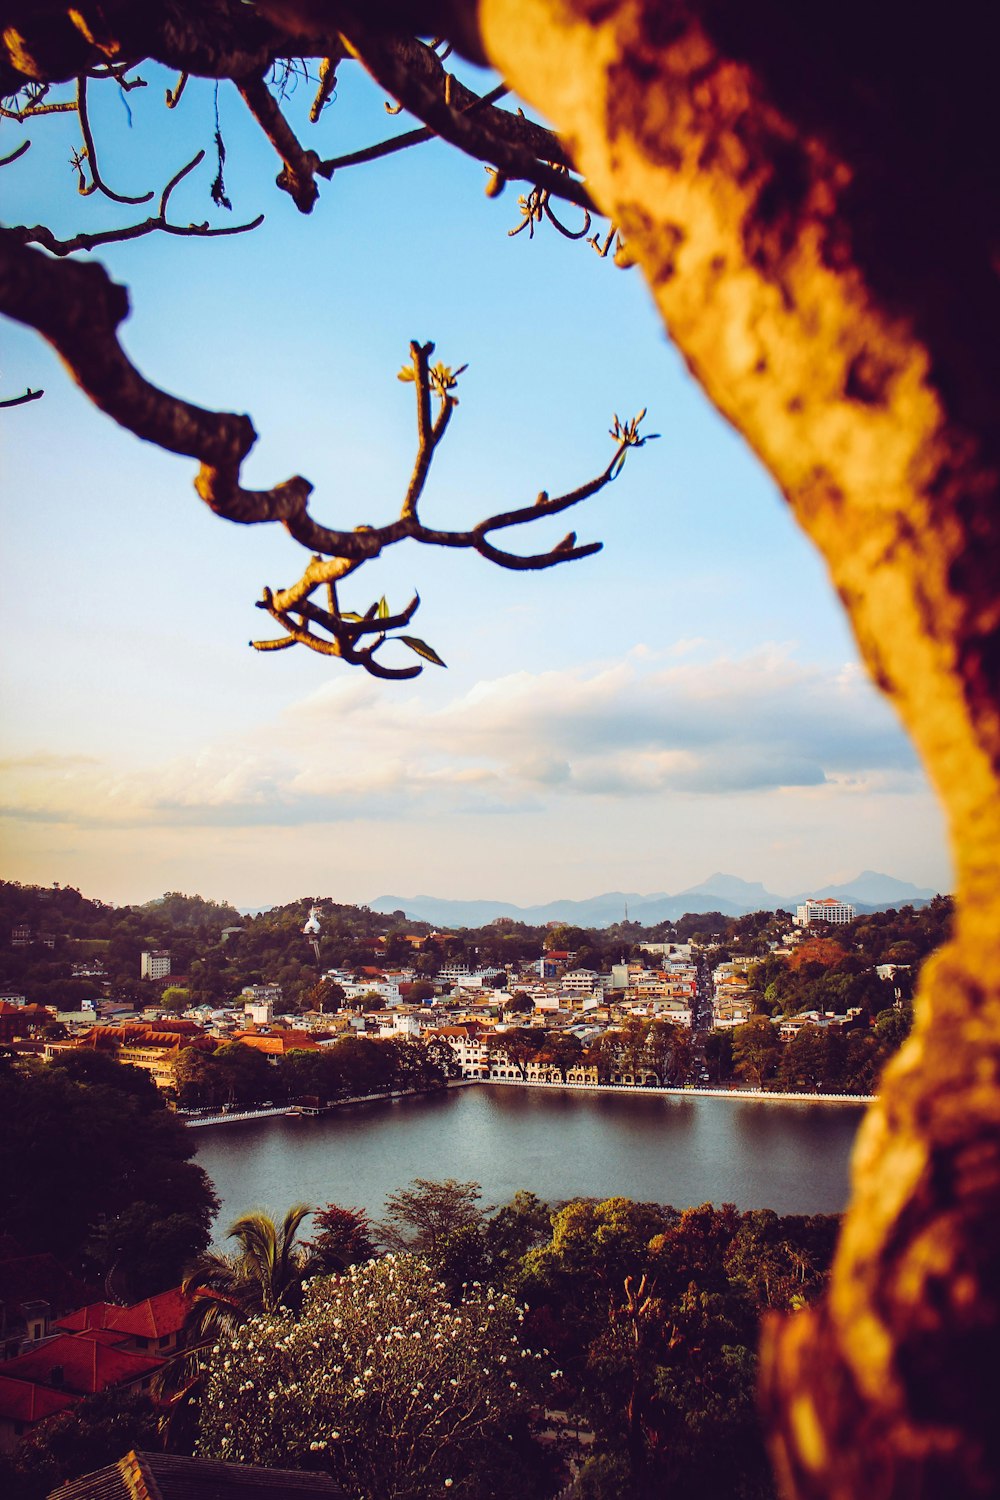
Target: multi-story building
(154, 964)
(826, 909)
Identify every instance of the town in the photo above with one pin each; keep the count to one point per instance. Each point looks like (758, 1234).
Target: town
(813, 1001)
(123, 1028)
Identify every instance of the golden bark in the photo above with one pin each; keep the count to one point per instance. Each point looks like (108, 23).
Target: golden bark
(806, 200)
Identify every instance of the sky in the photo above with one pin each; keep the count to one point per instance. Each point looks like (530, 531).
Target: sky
(688, 700)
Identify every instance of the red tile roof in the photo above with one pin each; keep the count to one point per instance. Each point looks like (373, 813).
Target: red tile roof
(277, 1042)
(154, 1318)
(86, 1366)
(25, 1401)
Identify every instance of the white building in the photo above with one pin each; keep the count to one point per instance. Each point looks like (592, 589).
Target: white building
(154, 964)
(824, 910)
(582, 981)
(270, 992)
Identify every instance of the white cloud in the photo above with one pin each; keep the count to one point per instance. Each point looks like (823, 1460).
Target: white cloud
(647, 726)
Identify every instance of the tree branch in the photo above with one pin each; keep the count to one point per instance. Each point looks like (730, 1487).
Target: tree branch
(29, 395)
(41, 235)
(79, 309)
(5, 161)
(90, 152)
(414, 73)
(297, 176)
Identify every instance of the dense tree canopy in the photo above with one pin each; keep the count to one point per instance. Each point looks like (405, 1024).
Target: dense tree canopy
(94, 1169)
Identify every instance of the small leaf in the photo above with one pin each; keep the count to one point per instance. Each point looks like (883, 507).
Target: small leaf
(405, 374)
(349, 614)
(422, 649)
(383, 608)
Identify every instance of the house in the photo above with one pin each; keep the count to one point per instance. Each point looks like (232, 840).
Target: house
(826, 909)
(23, 1404)
(58, 1373)
(152, 1047)
(155, 1325)
(85, 1351)
(154, 964)
(278, 1041)
(34, 1290)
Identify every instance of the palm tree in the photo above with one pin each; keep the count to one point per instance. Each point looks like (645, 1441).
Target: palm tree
(267, 1272)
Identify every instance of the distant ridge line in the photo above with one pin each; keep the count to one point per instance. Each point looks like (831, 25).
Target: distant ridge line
(727, 894)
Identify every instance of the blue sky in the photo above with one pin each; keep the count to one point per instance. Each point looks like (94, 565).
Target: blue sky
(685, 701)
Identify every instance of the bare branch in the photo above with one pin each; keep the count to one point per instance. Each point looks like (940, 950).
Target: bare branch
(35, 105)
(117, 72)
(293, 607)
(5, 161)
(403, 141)
(327, 84)
(79, 309)
(29, 395)
(40, 235)
(414, 73)
(90, 153)
(297, 176)
(172, 96)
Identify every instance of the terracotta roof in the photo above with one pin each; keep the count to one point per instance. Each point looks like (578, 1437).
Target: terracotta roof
(82, 1366)
(277, 1042)
(25, 1401)
(168, 1476)
(153, 1318)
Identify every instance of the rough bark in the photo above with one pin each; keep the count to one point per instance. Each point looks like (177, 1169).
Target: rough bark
(808, 195)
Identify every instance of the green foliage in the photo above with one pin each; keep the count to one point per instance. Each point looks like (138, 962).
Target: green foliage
(756, 1051)
(175, 997)
(264, 1274)
(384, 1383)
(91, 1162)
(96, 1432)
(423, 1217)
(652, 1316)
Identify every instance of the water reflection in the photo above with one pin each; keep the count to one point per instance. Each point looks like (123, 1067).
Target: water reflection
(558, 1143)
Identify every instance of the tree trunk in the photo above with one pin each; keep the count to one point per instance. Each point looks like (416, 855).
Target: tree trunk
(804, 191)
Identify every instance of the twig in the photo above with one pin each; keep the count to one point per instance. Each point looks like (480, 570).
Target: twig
(90, 152)
(5, 161)
(29, 395)
(41, 235)
(401, 142)
(327, 84)
(173, 96)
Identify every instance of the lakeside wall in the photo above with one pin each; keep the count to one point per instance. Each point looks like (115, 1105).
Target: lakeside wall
(681, 1091)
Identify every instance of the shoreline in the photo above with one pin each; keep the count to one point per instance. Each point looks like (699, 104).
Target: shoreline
(679, 1091)
(683, 1091)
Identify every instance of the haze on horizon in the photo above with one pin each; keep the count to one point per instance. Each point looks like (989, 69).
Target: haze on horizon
(688, 700)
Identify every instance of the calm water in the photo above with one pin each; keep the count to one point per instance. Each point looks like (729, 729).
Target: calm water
(559, 1144)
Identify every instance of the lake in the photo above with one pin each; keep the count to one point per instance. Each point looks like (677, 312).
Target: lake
(792, 1157)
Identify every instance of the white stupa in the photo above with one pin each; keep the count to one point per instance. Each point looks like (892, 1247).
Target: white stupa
(312, 923)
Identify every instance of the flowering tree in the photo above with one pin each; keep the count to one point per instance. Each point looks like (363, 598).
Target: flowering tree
(396, 1391)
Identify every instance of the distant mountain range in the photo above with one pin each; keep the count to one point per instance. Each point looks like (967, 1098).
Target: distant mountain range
(727, 894)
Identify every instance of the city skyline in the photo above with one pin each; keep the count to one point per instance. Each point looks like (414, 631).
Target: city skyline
(687, 700)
